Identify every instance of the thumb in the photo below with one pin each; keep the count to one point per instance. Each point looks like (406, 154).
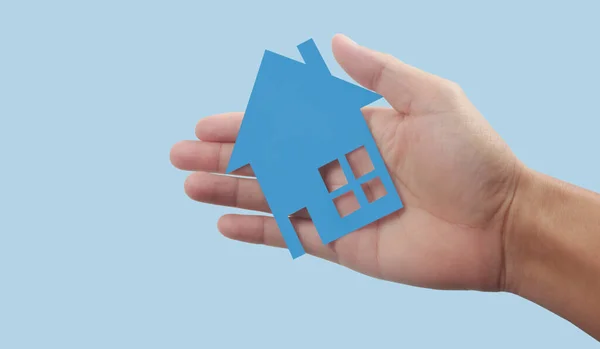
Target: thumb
(399, 83)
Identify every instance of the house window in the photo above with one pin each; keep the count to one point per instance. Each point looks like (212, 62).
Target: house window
(346, 203)
(360, 162)
(374, 189)
(333, 175)
(352, 181)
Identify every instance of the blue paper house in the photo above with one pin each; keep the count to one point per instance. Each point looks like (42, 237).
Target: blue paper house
(298, 119)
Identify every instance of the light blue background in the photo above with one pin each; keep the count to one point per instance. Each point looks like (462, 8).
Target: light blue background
(100, 247)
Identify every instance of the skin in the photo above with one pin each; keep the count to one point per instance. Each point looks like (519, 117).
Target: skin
(463, 189)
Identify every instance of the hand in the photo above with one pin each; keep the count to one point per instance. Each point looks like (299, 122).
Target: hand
(454, 174)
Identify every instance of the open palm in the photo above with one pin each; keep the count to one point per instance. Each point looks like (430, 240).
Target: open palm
(455, 176)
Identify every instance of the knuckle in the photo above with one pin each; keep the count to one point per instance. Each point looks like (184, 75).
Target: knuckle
(452, 92)
(453, 88)
(385, 63)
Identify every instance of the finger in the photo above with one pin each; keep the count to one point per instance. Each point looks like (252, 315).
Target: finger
(396, 81)
(212, 155)
(225, 127)
(244, 193)
(264, 230)
(219, 128)
(215, 189)
(205, 156)
(218, 132)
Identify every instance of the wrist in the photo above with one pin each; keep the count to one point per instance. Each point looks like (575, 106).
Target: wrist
(521, 229)
(536, 236)
(551, 242)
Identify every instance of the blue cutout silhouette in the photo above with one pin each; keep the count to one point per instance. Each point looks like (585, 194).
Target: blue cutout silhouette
(298, 119)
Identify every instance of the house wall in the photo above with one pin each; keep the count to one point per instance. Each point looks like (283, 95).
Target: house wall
(299, 185)
(324, 213)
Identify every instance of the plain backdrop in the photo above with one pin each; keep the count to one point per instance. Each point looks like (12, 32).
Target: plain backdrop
(101, 248)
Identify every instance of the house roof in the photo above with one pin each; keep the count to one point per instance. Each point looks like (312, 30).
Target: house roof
(288, 94)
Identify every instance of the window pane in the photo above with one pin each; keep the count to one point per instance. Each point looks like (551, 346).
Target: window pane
(346, 203)
(333, 175)
(360, 162)
(374, 189)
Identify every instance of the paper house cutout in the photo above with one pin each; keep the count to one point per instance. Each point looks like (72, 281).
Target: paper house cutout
(298, 119)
